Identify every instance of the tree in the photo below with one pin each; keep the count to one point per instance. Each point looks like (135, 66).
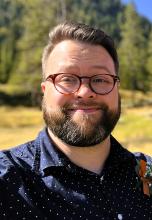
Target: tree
(10, 13)
(149, 63)
(132, 51)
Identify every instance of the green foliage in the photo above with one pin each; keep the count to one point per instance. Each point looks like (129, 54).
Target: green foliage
(132, 52)
(149, 62)
(9, 33)
(103, 14)
(24, 27)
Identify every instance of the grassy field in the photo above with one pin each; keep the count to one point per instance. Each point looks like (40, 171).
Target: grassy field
(134, 129)
(20, 124)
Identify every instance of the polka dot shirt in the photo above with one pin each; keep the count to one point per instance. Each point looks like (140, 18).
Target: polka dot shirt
(37, 181)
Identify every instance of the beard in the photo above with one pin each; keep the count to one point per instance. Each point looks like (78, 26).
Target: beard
(87, 130)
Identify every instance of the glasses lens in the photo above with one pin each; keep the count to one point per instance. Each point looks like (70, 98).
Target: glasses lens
(102, 84)
(66, 83)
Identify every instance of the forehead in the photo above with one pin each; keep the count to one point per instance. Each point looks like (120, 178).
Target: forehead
(77, 55)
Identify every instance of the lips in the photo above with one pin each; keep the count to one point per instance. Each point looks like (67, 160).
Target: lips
(85, 109)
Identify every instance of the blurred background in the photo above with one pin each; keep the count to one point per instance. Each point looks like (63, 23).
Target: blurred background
(24, 27)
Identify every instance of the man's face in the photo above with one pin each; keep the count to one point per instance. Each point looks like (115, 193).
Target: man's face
(83, 118)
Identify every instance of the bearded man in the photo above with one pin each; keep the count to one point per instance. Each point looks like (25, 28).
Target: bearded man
(75, 169)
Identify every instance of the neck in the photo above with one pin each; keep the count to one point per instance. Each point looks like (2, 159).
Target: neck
(91, 158)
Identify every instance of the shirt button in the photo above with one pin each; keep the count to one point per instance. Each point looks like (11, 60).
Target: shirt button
(101, 179)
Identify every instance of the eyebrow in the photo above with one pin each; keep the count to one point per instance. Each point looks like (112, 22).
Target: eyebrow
(73, 67)
(68, 67)
(101, 67)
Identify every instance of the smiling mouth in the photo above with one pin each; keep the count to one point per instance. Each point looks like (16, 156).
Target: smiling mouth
(84, 110)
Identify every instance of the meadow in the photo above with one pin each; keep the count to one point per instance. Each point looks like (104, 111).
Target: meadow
(20, 124)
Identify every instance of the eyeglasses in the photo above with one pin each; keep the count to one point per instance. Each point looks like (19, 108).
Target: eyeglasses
(70, 83)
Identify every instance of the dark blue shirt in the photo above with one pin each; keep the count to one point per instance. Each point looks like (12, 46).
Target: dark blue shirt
(37, 181)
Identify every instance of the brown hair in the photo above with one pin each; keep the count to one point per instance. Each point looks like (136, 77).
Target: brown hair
(82, 33)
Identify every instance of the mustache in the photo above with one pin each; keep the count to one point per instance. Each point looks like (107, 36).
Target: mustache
(77, 104)
(88, 104)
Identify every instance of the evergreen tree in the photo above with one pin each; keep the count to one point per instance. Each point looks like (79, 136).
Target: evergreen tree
(10, 13)
(132, 51)
(149, 63)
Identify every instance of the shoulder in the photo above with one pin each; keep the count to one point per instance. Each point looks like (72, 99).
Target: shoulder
(15, 157)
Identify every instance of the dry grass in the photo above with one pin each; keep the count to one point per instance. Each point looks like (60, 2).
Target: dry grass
(134, 129)
(18, 125)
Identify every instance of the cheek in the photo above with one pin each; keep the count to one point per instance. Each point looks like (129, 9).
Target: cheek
(54, 98)
(115, 100)
(112, 99)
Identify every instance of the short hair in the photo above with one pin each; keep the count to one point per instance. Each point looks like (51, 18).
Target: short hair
(82, 33)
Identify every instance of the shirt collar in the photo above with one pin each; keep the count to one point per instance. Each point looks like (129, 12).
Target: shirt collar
(118, 155)
(52, 157)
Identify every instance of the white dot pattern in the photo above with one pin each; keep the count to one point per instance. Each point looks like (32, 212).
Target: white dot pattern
(39, 182)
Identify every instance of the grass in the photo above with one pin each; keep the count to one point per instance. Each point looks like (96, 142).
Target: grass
(20, 124)
(134, 129)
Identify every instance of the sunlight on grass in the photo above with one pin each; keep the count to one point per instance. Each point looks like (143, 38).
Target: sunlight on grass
(19, 125)
(134, 129)
(19, 117)
(15, 136)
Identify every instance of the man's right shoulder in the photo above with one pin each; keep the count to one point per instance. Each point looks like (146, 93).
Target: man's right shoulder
(14, 157)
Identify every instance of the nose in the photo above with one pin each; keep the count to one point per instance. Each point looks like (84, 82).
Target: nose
(85, 92)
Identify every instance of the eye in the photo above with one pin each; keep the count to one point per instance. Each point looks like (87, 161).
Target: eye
(66, 80)
(98, 80)
(101, 80)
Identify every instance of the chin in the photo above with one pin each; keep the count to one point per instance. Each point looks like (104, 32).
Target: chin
(86, 120)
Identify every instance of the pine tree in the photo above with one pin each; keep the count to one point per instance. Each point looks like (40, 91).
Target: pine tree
(132, 51)
(10, 12)
(149, 63)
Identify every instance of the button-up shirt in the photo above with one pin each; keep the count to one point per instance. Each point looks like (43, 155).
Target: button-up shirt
(37, 181)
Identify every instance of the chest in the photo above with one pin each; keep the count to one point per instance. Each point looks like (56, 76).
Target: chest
(78, 196)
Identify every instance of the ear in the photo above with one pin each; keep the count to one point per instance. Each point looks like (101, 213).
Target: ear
(43, 87)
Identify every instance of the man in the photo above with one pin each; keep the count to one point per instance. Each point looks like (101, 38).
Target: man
(75, 169)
